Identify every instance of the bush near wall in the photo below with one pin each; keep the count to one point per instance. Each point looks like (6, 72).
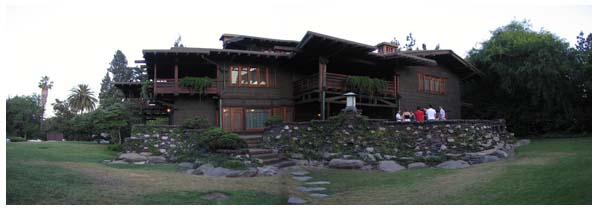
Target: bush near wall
(177, 143)
(356, 137)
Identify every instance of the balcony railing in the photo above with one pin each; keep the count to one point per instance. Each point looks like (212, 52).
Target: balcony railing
(169, 86)
(334, 82)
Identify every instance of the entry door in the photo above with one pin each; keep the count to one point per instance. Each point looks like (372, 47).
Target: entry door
(232, 119)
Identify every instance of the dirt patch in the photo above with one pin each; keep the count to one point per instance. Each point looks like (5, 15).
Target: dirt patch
(216, 196)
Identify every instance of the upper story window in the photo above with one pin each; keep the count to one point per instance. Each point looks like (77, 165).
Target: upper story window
(249, 76)
(431, 84)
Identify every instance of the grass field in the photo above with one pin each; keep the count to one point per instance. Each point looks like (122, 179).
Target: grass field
(548, 171)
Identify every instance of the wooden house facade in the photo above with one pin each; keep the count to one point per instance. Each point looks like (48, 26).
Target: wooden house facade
(255, 78)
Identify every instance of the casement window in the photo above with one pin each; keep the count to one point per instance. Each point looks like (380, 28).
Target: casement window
(431, 84)
(249, 76)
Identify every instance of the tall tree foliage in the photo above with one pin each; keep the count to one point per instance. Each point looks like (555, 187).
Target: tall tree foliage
(120, 72)
(526, 81)
(45, 84)
(23, 116)
(82, 99)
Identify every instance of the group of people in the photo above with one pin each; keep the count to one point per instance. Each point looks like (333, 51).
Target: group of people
(420, 115)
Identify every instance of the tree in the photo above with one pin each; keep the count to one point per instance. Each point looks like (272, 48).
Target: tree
(23, 116)
(177, 42)
(119, 69)
(410, 42)
(82, 99)
(525, 81)
(113, 119)
(61, 120)
(45, 84)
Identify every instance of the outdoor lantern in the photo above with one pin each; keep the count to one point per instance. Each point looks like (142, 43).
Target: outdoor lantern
(351, 105)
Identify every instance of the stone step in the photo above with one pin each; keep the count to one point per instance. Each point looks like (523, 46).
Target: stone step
(284, 164)
(248, 137)
(271, 161)
(265, 156)
(253, 146)
(252, 141)
(259, 151)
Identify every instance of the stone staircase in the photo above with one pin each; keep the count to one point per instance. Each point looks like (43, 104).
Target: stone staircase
(266, 156)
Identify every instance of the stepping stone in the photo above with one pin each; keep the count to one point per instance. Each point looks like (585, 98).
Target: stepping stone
(302, 178)
(296, 200)
(310, 189)
(299, 173)
(318, 182)
(318, 195)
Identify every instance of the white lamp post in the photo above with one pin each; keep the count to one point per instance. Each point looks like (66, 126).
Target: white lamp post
(351, 105)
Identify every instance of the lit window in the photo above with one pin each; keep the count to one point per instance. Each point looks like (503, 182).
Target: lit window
(431, 84)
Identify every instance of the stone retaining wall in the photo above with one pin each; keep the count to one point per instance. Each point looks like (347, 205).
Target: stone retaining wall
(354, 137)
(165, 140)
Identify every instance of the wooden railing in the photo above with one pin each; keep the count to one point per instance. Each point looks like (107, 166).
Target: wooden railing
(334, 82)
(169, 86)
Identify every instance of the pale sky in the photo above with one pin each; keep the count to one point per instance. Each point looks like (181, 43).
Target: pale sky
(73, 41)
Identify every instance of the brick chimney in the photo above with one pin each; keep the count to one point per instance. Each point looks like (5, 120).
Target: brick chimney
(386, 48)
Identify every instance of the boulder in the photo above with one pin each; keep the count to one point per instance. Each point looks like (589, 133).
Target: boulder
(219, 171)
(296, 156)
(417, 165)
(500, 154)
(146, 153)
(156, 159)
(206, 167)
(118, 162)
(194, 171)
(522, 142)
(389, 166)
(490, 158)
(453, 164)
(186, 165)
(267, 171)
(251, 172)
(345, 164)
(318, 195)
(132, 157)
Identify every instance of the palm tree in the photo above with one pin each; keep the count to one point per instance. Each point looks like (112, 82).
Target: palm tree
(82, 99)
(45, 84)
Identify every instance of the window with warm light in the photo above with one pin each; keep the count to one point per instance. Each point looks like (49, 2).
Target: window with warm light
(431, 84)
(249, 76)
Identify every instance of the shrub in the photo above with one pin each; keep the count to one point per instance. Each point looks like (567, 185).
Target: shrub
(197, 123)
(365, 85)
(216, 138)
(199, 84)
(152, 149)
(17, 139)
(273, 120)
(116, 147)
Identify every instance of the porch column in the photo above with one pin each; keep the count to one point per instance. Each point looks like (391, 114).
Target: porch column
(322, 86)
(176, 78)
(155, 79)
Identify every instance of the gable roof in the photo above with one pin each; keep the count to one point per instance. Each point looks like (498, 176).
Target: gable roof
(318, 41)
(241, 39)
(464, 69)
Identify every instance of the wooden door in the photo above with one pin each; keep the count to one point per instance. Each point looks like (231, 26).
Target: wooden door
(232, 119)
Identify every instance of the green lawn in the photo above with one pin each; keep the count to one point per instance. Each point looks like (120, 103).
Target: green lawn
(72, 173)
(548, 171)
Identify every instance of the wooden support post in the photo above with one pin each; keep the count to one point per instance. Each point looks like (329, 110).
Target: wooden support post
(322, 86)
(176, 78)
(155, 78)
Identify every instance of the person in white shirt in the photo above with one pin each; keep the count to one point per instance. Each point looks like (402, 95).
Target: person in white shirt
(430, 113)
(441, 113)
(398, 116)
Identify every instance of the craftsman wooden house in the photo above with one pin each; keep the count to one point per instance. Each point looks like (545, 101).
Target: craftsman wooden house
(254, 78)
